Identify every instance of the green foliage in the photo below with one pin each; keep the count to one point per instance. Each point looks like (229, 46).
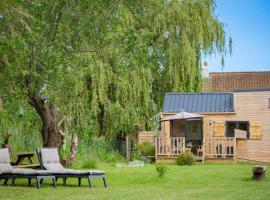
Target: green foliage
(185, 158)
(114, 157)
(146, 149)
(105, 64)
(90, 164)
(161, 169)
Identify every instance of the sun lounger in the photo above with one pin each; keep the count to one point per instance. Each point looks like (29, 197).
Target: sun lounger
(49, 160)
(8, 172)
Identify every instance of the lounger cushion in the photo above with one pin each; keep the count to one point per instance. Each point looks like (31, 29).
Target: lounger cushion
(53, 166)
(49, 155)
(50, 159)
(6, 171)
(96, 172)
(4, 156)
(71, 172)
(21, 171)
(5, 166)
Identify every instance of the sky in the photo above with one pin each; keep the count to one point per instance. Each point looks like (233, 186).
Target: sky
(248, 21)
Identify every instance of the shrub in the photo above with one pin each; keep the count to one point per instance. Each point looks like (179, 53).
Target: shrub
(161, 169)
(90, 164)
(185, 159)
(146, 149)
(111, 158)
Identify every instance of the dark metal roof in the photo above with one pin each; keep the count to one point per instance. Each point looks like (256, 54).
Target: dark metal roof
(198, 102)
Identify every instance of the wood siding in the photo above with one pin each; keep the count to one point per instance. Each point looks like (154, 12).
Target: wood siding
(252, 107)
(146, 136)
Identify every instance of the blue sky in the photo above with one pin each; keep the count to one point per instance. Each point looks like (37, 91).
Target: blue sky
(248, 21)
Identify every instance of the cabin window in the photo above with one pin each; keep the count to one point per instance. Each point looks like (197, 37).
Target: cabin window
(232, 125)
(195, 128)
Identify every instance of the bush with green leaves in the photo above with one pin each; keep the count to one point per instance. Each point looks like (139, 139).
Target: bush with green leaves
(146, 149)
(90, 164)
(185, 158)
(161, 169)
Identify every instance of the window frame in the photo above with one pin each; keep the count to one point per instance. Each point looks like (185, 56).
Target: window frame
(237, 127)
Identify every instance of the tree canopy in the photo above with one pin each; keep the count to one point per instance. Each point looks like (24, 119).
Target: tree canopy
(104, 64)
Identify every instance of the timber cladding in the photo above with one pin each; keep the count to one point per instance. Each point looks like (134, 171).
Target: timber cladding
(249, 106)
(144, 136)
(254, 108)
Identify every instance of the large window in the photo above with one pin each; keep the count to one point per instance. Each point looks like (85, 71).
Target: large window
(232, 125)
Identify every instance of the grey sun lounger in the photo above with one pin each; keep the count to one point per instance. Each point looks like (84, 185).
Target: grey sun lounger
(49, 160)
(8, 172)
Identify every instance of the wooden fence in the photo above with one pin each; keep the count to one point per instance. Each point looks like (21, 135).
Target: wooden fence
(148, 136)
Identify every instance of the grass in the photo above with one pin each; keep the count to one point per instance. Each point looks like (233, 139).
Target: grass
(201, 181)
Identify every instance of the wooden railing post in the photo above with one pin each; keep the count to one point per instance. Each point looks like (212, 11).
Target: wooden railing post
(234, 149)
(203, 150)
(223, 147)
(156, 148)
(184, 144)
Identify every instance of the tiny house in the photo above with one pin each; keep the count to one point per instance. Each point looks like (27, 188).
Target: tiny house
(232, 126)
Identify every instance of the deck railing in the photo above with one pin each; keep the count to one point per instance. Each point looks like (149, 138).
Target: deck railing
(220, 147)
(169, 146)
(213, 147)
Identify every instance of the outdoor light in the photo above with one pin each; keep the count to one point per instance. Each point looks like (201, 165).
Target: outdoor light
(21, 111)
(68, 47)
(1, 16)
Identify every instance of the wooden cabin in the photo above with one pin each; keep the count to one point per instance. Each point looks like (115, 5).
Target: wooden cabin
(235, 125)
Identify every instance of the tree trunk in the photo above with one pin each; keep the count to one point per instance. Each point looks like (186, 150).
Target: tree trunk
(73, 150)
(51, 135)
(48, 113)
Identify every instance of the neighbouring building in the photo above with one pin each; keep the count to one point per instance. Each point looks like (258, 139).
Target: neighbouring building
(234, 125)
(230, 81)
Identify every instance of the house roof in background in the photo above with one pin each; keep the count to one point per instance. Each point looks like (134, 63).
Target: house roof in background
(231, 81)
(198, 102)
(253, 90)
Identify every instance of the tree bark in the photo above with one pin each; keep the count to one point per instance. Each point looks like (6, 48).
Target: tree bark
(73, 150)
(48, 114)
(51, 135)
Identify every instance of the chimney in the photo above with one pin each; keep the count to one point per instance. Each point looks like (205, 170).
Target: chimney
(205, 72)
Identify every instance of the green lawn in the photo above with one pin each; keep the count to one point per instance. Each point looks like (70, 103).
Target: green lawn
(202, 181)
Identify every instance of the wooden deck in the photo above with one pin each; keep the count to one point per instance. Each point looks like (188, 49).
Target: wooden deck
(212, 148)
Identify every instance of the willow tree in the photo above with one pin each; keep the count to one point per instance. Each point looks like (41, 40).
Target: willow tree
(174, 35)
(107, 64)
(148, 48)
(39, 63)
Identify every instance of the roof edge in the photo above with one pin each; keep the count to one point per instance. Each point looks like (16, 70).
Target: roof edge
(196, 93)
(252, 90)
(238, 72)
